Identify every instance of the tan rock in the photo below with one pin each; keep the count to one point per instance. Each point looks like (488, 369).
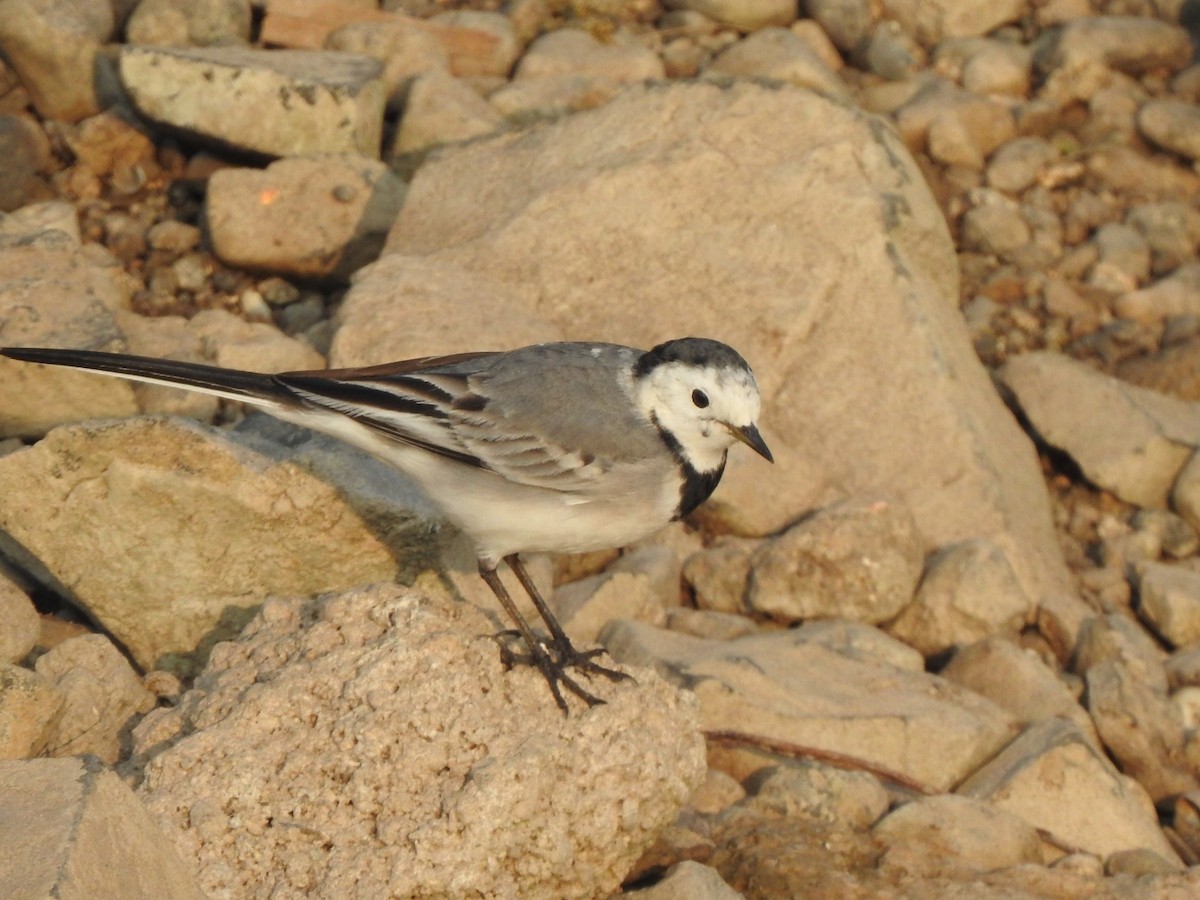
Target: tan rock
(82, 835)
(932, 834)
(1017, 680)
(1129, 440)
(30, 707)
(21, 623)
(1169, 601)
(857, 559)
(968, 592)
(439, 110)
(720, 574)
(1142, 730)
(689, 880)
(1054, 779)
(1117, 638)
(101, 696)
(780, 690)
(52, 294)
(329, 718)
(273, 102)
(714, 163)
(173, 558)
(53, 47)
(320, 217)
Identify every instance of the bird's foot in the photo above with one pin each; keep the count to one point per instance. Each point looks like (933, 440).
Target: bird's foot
(554, 666)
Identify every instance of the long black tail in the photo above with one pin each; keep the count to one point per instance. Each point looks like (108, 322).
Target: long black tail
(232, 383)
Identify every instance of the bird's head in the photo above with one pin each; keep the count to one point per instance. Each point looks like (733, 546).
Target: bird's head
(703, 397)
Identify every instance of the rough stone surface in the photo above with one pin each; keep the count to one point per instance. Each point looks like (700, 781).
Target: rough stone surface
(53, 47)
(1129, 43)
(19, 631)
(30, 707)
(766, 152)
(768, 691)
(1129, 440)
(968, 592)
(52, 294)
(1015, 679)
(74, 831)
(1141, 729)
(314, 756)
(167, 566)
(948, 830)
(312, 218)
(1054, 779)
(101, 695)
(932, 22)
(857, 560)
(274, 102)
(1169, 602)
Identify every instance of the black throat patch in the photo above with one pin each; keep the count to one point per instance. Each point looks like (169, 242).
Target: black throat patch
(697, 486)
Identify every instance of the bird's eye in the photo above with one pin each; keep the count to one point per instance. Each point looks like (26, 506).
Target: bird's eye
(700, 399)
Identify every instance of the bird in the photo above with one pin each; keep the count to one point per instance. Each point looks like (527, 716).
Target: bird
(562, 447)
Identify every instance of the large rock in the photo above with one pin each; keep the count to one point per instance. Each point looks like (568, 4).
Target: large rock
(1053, 778)
(170, 533)
(373, 744)
(52, 294)
(787, 690)
(73, 831)
(273, 102)
(1129, 440)
(798, 231)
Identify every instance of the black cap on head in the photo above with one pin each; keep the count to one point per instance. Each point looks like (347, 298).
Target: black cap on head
(690, 351)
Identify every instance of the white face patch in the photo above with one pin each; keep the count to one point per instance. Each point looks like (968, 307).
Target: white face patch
(668, 395)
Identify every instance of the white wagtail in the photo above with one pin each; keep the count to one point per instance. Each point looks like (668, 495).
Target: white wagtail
(563, 448)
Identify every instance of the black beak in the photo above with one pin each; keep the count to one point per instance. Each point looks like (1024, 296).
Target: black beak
(752, 439)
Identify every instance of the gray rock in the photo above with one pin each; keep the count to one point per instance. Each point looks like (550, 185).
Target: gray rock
(1055, 780)
(1124, 258)
(784, 690)
(968, 592)
(328, 217)
(1128, 43)
(1129, 440)
(273, 102)
(861, 642)
(818, 791)
(1178, 294)
(572, 52)
(297, 732)
(720, 574)
(25, 150)
(994, 224)
(83, 834)
(891, 52)
(1173, 125)
(855, 560)
(640, 585)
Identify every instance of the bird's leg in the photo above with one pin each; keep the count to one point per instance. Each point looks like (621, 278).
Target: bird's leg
(567, 654)
(552, 669)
